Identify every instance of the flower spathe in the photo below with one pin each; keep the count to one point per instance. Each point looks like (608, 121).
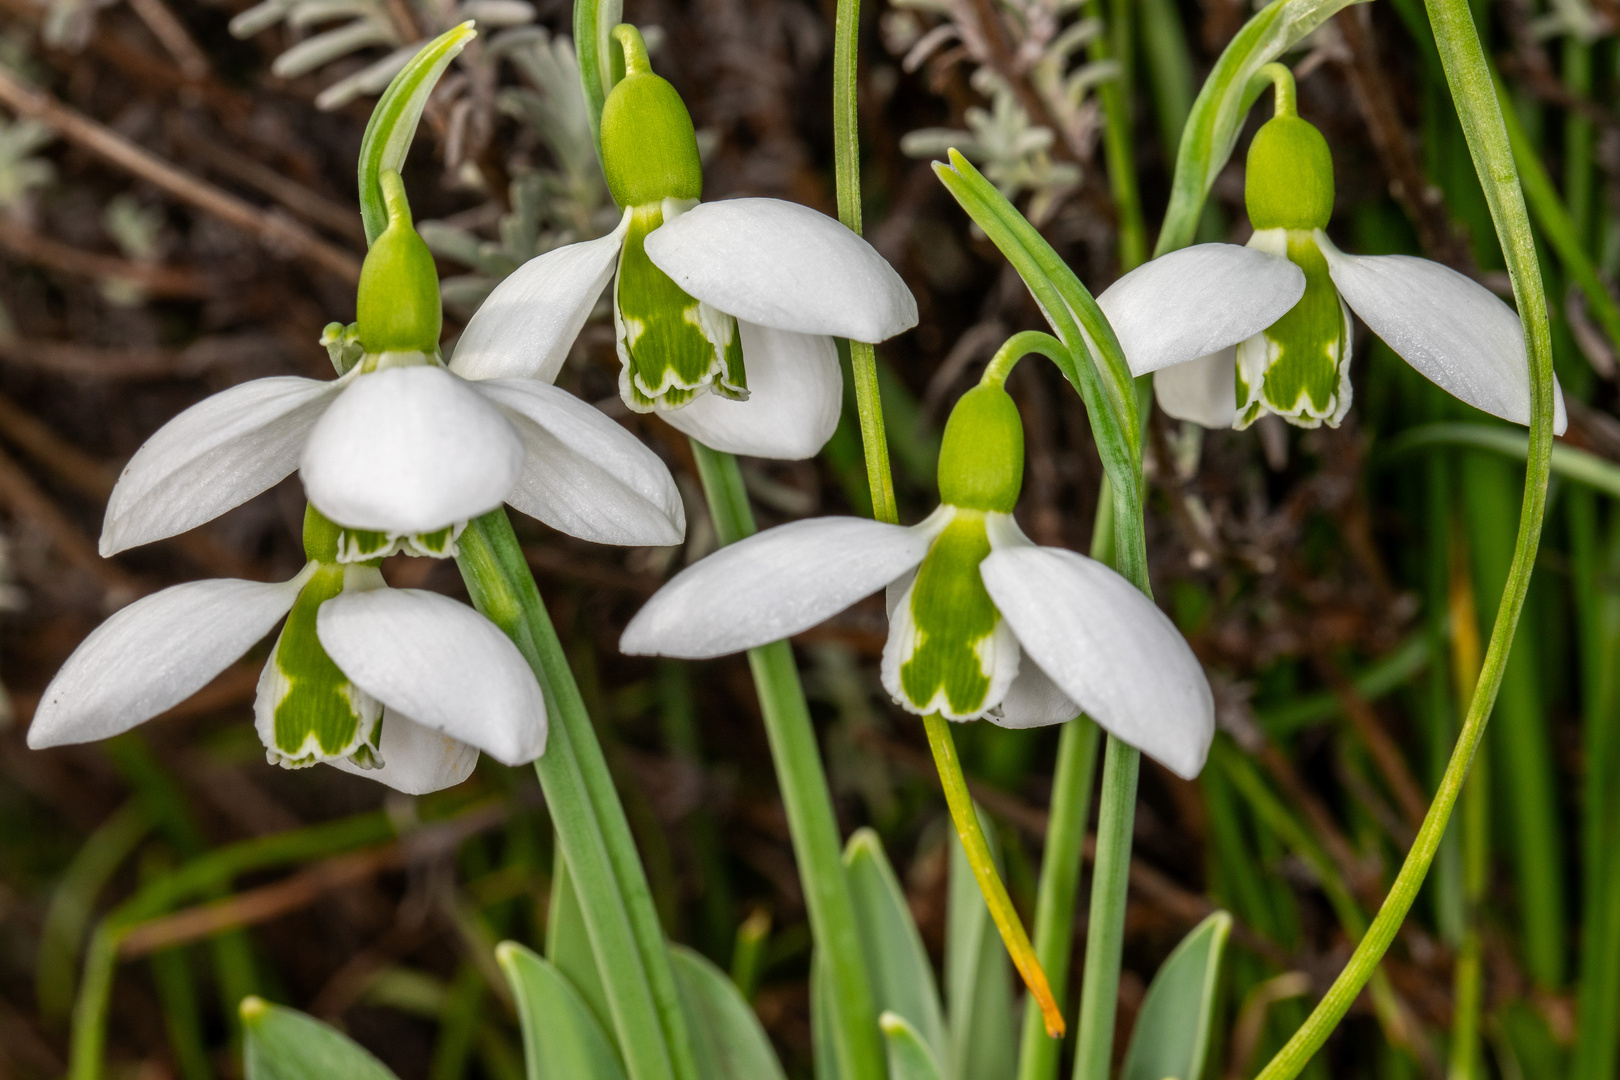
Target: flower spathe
(724, 313)
(983, 623)
(399, 685)
(399, 450)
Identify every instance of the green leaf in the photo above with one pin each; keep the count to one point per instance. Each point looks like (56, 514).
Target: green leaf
(393, 122)
(562, 1039)
(1217, 115)
(902, 978)
(909, 1056)
(1172, 1029)
(727, 1039)
(284, 1044)
(823, 1034)
(978, 978)
(568, 945)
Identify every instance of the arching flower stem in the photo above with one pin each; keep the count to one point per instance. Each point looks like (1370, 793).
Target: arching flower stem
(1286, 101)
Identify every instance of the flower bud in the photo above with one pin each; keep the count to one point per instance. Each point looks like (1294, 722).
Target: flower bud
(981, 461)
(1289, 177)
(397, 308)
(649, 149)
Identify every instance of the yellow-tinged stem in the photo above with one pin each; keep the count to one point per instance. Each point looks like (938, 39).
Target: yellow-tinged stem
(1006, 918)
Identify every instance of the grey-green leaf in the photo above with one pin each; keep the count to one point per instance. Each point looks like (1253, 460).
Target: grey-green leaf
(978, 978)
(823, 1036)
(902, 978)
(727, 1039)
(1172, 1029)
(910, 1057)
(561, 1037)
(1217, 115)
(284, 1044)
(568, 945)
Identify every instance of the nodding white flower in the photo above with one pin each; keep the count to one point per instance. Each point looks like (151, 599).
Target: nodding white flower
(983, 623)
(1453, 330)
(398, 450)
(724, 313)
(399, 685)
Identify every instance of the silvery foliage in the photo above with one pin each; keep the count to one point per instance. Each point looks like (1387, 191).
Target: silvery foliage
(1014, 151)
(20, 171)
(366, 24)
(1573, 18)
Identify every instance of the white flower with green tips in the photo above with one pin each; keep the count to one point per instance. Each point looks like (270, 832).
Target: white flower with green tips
(398, 449)
(1453, 330)
(724, 313)
(399, 685)
(983, 623)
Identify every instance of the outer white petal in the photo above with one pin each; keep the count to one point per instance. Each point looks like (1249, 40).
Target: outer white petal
(416, 760)
(1202, 390)
(1109, 648)
(408, 450)
(440, 663)
(1452, 329)
(1197, 301)
(1033, 700)
(216, 455)
(526, 326)
(155, 653)
(795, 393)
(784, 265)
(772, 586)
(583, 474)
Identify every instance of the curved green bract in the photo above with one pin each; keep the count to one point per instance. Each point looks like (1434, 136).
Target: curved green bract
(1217, 115)
(594, 21)
(1567, 461)
(393, 122)
(284, 1044)
(1172, 1029)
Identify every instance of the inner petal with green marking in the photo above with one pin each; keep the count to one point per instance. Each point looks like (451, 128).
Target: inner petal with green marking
(307, 710)
(672, 346)
(1299, 367)
(365, 545)
(949, 649)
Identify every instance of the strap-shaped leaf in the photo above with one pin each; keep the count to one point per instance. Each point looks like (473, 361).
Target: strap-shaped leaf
(909, 1056)
(1172, 1030)
(284, 1044)
(823, 1035)
(978, 978)
(727, 1039)
(568, 945)
(1217, 115)
(902, 978)
(562, 1039)
(393, 122)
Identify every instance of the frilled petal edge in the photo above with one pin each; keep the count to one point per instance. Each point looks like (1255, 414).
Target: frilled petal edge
(786, 266)
(771, 586)
(1109, 648)
(440, 663)
(155, 653)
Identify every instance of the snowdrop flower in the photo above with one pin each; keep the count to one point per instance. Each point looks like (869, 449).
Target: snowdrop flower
(983, 623)
(400, 685)
(724, 313)
(398, 450)
(1449, 327)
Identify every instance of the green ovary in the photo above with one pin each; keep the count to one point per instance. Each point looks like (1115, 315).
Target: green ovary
(1296, 368)
(318, 713)
(671, 345)
(953, 618)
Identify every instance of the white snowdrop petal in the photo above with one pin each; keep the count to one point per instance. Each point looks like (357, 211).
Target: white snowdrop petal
(1109, 648)
(440, 663)
(416, 760)
(1197, 301)
(583, 474)
(1202, 390)
(155, 653)
(1033, 700)
(1454, 331)
(771, 586)
(214, 456)
(409, 450)
(526, 326)
(795, 394)
(784, 265)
